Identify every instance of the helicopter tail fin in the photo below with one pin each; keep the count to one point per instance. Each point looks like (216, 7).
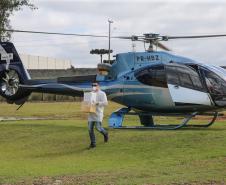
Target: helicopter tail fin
(12, 74)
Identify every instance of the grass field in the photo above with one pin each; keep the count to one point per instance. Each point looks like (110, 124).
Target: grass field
(55, 151)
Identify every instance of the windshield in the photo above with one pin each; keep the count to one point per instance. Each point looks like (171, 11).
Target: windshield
(218, 70)
(215, 78)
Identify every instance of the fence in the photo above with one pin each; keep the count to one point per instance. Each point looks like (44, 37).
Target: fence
(39, 62)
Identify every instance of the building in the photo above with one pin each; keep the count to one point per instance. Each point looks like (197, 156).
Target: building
(39, 62)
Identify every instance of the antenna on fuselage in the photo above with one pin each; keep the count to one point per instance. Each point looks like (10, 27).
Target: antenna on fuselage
(133, 46)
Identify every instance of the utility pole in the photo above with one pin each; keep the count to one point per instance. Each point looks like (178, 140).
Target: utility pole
(109, 39)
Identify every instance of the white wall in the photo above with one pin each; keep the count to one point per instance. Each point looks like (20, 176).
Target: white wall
(39, 62)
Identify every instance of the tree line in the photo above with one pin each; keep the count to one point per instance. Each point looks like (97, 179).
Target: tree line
(7, 8)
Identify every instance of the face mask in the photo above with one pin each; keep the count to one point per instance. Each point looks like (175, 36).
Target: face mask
(94, 88)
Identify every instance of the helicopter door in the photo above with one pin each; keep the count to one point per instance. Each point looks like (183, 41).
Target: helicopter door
(216, 87)
(185, 86)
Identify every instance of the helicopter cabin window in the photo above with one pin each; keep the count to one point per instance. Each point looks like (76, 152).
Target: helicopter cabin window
(153, 76)
(185, 80)
(184, 76)
(172, 76)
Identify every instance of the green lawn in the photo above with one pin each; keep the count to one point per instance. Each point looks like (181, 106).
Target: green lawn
(42, 152)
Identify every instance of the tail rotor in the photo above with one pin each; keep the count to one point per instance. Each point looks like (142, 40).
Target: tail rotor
(12, 74)
(10, 83)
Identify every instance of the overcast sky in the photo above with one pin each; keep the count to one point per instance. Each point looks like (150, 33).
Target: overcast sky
(130, 18)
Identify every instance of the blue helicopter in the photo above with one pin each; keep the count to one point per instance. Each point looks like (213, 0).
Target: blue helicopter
(150, 83)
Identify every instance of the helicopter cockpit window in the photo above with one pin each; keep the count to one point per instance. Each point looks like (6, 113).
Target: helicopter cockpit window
(214, 83)
(153, 76)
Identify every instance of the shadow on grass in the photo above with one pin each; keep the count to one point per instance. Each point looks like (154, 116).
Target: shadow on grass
(43, 125)
(63, 152)
(162, 130)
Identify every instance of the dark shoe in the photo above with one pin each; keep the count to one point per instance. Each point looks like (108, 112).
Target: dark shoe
(92, 146)
(106, 137)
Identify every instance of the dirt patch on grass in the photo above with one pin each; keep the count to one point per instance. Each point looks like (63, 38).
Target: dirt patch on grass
(98, 179)
(69, 180)
(201, 183)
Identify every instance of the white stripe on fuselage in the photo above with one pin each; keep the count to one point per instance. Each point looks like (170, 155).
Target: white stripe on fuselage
(6, 56)
(185, 95)
(89, 88)
(110, 96)
(118, 94)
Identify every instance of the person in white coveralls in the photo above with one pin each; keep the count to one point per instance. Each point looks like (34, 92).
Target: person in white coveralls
(95, 119)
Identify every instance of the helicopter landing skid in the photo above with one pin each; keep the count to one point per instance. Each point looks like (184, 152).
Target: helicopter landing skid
(116, 119)
(215, 115)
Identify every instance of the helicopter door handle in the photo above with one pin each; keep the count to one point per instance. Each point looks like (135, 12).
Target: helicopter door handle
(176, 86)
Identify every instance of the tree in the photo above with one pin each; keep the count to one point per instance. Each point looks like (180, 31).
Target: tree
(7, 7)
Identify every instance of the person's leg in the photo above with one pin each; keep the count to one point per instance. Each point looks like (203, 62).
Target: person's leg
(91, 133)
(102, 131)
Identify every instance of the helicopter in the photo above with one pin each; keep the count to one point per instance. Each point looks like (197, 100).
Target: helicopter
(149, 83)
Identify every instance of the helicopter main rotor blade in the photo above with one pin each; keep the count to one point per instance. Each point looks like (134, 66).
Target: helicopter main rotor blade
(165, 38)
(133, 37)
(56, 33)
(162, 46)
